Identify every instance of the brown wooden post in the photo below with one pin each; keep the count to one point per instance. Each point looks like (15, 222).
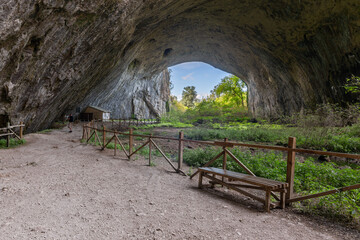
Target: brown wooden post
(21, 130)
(95, 136)
(83, 135)
(225, 156)
(115, 143)
(131, 141)
(181, 150)
(104, 136)
(150, 150)
(88, 130)
(8, 136)
(290, 167)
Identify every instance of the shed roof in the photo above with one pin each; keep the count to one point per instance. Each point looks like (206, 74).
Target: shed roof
(99, 109)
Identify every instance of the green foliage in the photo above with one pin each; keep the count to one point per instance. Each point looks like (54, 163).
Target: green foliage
(45, 131)
(13, 142)
(325, 115)
(207, 111)
(189, 96)
(232, 89)
(352, 84)
(226, 103)
(174, 124)
(310, 177)
(331, 139)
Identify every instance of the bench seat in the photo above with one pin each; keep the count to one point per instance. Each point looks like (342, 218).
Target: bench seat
(254, 182)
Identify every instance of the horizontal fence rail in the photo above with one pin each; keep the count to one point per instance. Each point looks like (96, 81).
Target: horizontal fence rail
(128, 122)
(291, 150)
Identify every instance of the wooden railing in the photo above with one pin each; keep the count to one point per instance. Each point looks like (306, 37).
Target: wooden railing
(89, 131)
(9, 132)
(120, 123)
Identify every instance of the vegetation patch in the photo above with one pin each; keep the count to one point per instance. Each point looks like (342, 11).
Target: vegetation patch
(13, 143)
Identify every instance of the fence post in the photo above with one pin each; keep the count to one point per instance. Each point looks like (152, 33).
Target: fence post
(290, 167)
(150, 150)
(88, 131)
(21, 129)
(8, 136)
(131, 142)
(83, 135)
(225, 156)
(104, 136)
(181, 150)
(115, 145)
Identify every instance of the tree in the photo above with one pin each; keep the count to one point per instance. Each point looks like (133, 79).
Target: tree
(189, 96)
(231, 88)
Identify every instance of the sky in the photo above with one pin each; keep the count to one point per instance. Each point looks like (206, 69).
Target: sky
(201, 75)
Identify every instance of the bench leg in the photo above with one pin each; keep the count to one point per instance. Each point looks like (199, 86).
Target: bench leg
(212, 183)
(201, 174)
(267, 201)
(282, 199)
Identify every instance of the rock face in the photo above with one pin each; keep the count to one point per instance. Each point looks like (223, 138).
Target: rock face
(56, 55)
(143, 98)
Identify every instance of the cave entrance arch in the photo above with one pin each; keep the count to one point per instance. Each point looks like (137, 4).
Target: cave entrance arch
(292, 54)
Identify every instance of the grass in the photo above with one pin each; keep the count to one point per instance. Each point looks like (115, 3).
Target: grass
(345, 139)
(165, 124)
(45, 131)
(13, 143)
(310, 177)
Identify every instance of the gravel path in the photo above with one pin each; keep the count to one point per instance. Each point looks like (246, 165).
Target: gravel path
(55, 187)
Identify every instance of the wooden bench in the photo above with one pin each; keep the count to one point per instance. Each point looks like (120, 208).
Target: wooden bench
(252, 182)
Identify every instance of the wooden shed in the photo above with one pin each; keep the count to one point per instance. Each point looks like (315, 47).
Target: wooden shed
(94, 113)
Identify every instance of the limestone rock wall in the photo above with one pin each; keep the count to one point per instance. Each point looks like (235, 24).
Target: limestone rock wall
(56, 55)
(144, 98)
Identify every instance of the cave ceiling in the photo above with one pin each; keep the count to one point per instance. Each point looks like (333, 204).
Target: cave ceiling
(56, 55)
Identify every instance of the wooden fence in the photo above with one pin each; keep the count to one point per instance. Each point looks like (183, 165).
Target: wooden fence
(9, 132)
(89, 131)
(121, 123)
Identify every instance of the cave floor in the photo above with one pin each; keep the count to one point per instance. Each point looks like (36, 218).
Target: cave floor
(55, 187)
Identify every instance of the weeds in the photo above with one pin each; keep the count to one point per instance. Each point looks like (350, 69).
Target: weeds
(13, 143)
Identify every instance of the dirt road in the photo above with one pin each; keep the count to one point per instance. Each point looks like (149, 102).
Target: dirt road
(55, 187)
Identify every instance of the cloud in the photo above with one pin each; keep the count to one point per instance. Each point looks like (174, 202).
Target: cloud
(188, 77)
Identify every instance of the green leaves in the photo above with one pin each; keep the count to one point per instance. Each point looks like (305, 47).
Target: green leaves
(232, 89)
(352, 84)
(189, 96)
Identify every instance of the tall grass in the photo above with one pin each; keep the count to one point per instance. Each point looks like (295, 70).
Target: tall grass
(346, 139)
(13, 142)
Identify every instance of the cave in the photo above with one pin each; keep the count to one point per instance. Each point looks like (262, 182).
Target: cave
(58, 55)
